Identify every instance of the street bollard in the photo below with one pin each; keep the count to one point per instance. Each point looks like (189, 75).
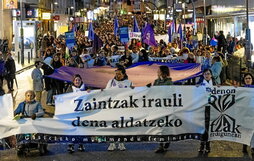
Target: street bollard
(28, 57)
(31, 53)
(18, 57)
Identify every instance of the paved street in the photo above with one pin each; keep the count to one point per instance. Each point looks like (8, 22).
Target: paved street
(178, 151)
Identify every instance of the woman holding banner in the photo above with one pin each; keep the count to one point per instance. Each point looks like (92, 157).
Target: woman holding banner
(248, 82)
(208, 82)
(163, 80)
(77, 86)
(119, 81)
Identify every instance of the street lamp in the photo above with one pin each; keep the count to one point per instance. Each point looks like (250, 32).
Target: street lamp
(205, 28)
(22, 33)
(247, 37)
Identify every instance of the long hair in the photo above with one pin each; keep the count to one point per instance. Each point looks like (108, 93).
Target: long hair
(77, 76)
(248, 74)
(121, 68)
(165, 71)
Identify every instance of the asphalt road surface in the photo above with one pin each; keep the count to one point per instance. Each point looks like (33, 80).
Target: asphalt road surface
(178, 151)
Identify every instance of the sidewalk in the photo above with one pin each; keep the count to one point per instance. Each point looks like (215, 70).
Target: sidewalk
(19, 66)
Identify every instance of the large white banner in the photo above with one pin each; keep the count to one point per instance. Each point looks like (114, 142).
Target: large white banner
(6, 107)
(143, 111)
(165, 110)
(231, 114)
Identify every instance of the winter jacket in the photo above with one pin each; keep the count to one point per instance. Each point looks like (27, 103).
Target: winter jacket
(10, 68)
(216, 70)
(37, 80)
(28, 109)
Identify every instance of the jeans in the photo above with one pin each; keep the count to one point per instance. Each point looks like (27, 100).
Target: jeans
(49, 96)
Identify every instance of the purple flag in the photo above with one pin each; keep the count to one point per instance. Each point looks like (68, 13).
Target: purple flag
(97, 43)
(74, 28)
(170, 33)
(148, 36)
(135, 25)
(91, 32)
(116, 26)
(180, 31)
(173, 27)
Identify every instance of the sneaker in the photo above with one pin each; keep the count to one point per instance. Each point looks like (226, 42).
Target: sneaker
(81, 147)
(121, 147)
(71, 148)
(244, 150)
(201, 148)
(166, 145)
(49, 104)
(112, 147)
(207, 148)
(159, 150)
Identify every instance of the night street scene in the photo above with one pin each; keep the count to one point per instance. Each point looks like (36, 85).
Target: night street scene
(126, 80)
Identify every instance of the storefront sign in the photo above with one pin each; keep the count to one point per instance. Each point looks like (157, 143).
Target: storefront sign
(46, 16)
(56, 18)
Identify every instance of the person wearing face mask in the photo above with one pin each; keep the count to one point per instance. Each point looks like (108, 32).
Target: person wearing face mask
(119, 81)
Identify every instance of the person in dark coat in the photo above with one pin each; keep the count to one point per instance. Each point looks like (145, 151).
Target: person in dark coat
(47, 70)
(2, 69)
(58, 85)
(163, 79)
(1, 91)
(10, 70)
(222, 42)
(126, 59)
